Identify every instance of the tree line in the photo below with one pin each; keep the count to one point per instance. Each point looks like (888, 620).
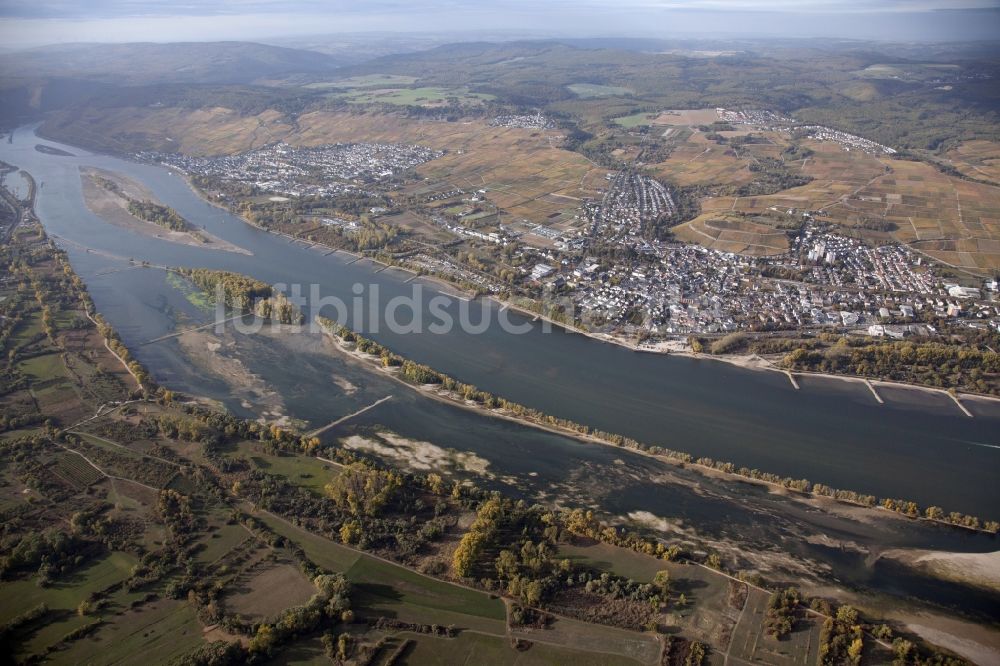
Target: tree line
(158, 214)
(926, 363)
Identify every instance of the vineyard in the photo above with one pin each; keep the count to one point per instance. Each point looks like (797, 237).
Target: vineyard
(75, 471)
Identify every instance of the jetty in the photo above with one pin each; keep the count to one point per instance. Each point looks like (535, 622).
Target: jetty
(791, 378)
(871, 387)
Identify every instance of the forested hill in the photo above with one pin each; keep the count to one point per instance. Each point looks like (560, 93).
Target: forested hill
(36, 81)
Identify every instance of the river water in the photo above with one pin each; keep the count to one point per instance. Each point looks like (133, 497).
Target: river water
(917, 446)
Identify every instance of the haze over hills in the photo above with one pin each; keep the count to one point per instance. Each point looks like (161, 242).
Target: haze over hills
(36, 81)
(150, 63)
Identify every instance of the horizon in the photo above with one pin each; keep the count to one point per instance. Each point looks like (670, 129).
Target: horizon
(27, 25)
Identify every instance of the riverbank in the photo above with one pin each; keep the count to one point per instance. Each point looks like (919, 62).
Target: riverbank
(800, 490)
(677, 347)
(744, 361)
(977, 569)
(113, 209)
(447, 286)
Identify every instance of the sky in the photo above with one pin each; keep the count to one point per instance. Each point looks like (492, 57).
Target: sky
(35, 22)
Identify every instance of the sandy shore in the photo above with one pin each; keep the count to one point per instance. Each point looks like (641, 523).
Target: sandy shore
(979, 569)
(979, 643)
(114, 209)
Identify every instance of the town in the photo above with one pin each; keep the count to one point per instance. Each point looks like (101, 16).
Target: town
(824, 280)
(764, 119)
(756, 117)
(523, 121)
(321, 171)
(632, 202)
(846, 140)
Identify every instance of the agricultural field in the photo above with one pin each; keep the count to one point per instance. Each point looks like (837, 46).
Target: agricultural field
(167, 629)
(100, 573)
(62, 600)
(588, 90)
(207, 131)
(307, 472)
(118, 460)
(365, 81)
(708, 613)
(727, 232)
(325, 553)
(636, 120)
(695, 160)
(220, 540)
(615, 643)
(268, 589)
(426, 97)
(688, 117)
(944, 217)
(623, 562)
(977, 159)
(388, 588)
(76, 471)
(751, 644)
(471, 648)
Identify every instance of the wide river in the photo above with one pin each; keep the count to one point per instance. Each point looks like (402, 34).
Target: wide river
(916, 446)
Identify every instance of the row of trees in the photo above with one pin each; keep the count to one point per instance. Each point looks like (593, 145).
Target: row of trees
(55, 288)
(928, 363)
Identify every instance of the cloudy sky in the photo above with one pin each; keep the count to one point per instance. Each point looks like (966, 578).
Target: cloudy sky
(28, 22)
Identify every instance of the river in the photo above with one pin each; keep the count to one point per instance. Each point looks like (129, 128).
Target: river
(917, 446)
